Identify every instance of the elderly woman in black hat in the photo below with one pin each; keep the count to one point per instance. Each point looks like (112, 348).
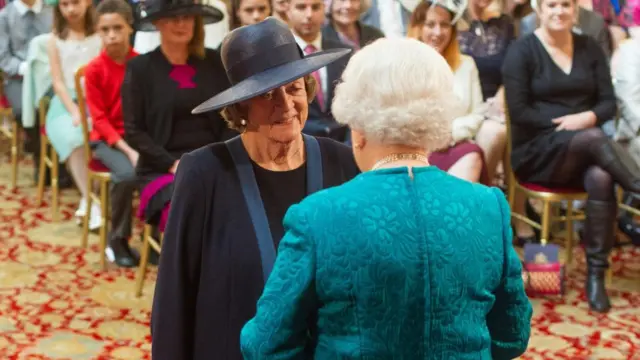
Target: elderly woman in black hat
(230, 197)
(160, 90)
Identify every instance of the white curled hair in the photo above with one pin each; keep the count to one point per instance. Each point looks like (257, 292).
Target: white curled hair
(398, 92)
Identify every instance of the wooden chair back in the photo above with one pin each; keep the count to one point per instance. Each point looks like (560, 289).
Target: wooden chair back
(84, 115)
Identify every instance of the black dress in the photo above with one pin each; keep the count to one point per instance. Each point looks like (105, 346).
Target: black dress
(211, 276)
(157, 98)
(538, 91)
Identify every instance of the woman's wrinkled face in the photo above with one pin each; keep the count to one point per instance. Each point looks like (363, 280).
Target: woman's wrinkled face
(253, 11)
(345, 12)
(177, 29)
(279, 114)
(557, 15)
(437, 28)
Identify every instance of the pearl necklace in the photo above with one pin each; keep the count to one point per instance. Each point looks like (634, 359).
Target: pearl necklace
(398, 157)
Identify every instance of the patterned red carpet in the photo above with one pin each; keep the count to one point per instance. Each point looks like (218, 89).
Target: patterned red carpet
(56, 303)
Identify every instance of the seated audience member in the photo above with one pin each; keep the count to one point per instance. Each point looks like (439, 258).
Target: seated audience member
(159, 91)
(148, 38)
(280, 9)
(626, 76)
(247, 12)
(559, 90)
(485, 35)
(390, 16)
(74, 43)
(20, 22)
(587, 22)
(435, 26)
(343, 24)
(103, 79)
(616, 14)
(373, 268)
(306, 18)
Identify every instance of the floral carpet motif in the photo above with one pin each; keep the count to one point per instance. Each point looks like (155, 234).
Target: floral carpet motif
(56, 302)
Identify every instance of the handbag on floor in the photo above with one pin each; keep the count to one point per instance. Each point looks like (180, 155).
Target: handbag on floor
(542, 272)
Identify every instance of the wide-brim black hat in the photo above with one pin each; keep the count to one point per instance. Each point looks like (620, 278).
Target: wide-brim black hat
(261, 57)
(152, 10)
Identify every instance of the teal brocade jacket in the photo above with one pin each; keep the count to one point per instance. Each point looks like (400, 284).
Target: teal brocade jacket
(392, 267)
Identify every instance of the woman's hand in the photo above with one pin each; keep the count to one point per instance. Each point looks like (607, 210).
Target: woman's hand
(133, 157)
(75, 117)
(174, 168)
(583, 120)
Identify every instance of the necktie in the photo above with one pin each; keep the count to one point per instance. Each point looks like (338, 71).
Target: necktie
(30, 21)
(310, 49)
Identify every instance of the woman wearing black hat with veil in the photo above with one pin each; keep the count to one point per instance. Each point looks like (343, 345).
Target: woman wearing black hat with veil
(159, 91)
(230, 197)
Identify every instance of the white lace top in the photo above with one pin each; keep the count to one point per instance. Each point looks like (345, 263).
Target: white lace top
(76, 53)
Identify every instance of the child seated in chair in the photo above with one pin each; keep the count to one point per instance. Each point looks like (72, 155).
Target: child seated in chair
(73, 44)
(103, 78)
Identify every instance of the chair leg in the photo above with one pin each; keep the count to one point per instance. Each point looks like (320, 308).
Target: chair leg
(41, 169)
(511, 191)
(569, 240)
(54, 184)
(104, 205)
(144, 260)
(85, 220)
(546, 222)
(15, 141)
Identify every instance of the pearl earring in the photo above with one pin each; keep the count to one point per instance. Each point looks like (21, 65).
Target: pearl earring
(243, 122)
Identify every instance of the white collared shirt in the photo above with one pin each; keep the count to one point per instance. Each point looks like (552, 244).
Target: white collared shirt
(390, 12)
(317, 43)
(23, 8)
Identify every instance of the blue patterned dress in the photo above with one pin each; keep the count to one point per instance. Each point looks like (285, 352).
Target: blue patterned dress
(390, 267)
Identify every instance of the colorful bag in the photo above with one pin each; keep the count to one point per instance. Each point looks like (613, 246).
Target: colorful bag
(542, 272)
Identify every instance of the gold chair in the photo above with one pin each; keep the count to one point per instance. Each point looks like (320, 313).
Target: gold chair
(548, 196)
(48, 159)
(96, 172)
(147, 242)
(12, 134)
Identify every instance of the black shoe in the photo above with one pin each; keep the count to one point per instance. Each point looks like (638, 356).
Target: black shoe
(521, 241)
(119, 252)
(628, 227)
(154, 257)
(597, 291)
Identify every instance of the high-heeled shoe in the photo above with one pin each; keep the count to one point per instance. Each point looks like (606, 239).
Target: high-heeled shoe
(628, 227)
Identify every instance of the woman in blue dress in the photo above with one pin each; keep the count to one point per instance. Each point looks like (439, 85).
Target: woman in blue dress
(403, 262)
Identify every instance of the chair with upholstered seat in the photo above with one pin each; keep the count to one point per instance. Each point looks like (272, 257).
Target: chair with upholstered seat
(548, 196)
(96, 172)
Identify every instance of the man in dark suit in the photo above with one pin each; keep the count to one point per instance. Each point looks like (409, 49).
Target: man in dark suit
(306, 18)
(588, 23)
